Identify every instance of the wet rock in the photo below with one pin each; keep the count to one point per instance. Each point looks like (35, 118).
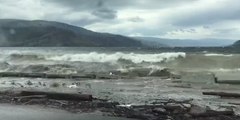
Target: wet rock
(176, 108)
(176, 76)
(29, 83)
(160, 111)
(173, 106)
(183, 85)
(165, 110)
(187, 115)
(64, 84)
(9, 74)
(13, 83)
(187, 106)
(197, 110)
(107, 104)
(140, 115)
(55, 85)
(20, 85)
(39, 83)
(215, 114)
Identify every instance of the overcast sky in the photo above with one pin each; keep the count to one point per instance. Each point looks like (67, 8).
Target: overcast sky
(184, 19)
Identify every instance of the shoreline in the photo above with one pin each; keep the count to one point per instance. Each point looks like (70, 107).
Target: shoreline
(37, 112)
(187, 105)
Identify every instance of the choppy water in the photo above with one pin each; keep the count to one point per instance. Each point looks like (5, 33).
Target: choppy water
(104, 60)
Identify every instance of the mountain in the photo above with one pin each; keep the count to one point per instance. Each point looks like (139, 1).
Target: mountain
(236, 44)
(150, 42)
(14, 33)
(164, 42)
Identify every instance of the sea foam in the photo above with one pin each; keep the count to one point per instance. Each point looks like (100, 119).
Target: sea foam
(114, 57)
(219, 55)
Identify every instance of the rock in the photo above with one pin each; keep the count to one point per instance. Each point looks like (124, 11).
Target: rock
(141, 115)
(160, 111)
(173, 106)
(179, 111)
(176, 76)
(187, 115)
(59, 95)
(29, 83)
(183, 85)
(223, 94)
(176, 108)
(107, 104)
(197, 110)
(188, 106)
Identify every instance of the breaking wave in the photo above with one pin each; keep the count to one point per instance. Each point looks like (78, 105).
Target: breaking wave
(86, 62)
(219, 55)
(90, 61)
(133, 57)
(25, 57)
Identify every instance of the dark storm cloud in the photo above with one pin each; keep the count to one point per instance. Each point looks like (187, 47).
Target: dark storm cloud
(119, 4)
(108, 9)
(185, 18)
(98, 8)
(102, 11)
(105, 13)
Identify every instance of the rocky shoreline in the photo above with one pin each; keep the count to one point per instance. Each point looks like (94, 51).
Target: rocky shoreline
(162, 110)
(162, 95)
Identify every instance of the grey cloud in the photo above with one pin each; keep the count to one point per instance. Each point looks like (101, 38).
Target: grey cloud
(208, 16)
(191, 30)
(225, 31)
(108, 9)
(136, 19)
(81, 22)
(86, 13)
(119, 4)
(98, 8)
(204, 19)
(84, 22)
(206, 27)
(105, 13)
(102, 11)
(78, 20)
